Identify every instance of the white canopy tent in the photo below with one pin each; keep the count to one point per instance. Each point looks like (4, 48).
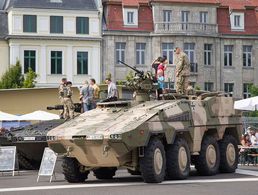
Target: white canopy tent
(8, 117)
(249, 104)
(38, 116)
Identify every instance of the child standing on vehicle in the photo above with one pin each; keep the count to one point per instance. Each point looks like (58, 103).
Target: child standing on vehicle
(160, 79)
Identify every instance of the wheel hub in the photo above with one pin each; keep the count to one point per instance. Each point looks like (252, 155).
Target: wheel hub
(158, 161)
(182, 159)
(211, 156)
(231, 154)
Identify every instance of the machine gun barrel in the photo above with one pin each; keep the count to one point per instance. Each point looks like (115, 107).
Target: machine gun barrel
(56, 107)
(134, 69)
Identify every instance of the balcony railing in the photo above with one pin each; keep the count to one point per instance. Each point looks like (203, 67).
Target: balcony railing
(186, 28)
(193, 67)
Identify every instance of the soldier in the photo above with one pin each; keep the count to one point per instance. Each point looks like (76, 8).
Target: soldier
(96, 92)
(61, 94)
(190, 90)
(67, 101)
(182, 71)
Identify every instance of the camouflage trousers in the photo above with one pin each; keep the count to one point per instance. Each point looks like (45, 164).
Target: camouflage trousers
(68, 108)
(182, 84)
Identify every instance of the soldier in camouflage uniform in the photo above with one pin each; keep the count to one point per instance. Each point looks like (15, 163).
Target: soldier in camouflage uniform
(67, 101)
(61, 94)
(182, 71)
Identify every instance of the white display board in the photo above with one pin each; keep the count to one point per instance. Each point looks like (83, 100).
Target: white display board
(48, 163)
(7, 158)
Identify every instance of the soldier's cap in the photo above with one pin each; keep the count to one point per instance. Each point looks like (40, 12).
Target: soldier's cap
(176, 49)
(64, 79)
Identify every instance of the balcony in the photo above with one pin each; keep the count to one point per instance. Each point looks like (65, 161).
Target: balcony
(186, 28)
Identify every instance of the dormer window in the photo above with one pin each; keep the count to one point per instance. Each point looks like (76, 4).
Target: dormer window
(130, 17)
(237, 21)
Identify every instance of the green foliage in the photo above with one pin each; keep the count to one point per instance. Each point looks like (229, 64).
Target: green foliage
(30, 78)
(129, 77)
(197, 87)
(120, 82)
(254, 92)
(12, 78)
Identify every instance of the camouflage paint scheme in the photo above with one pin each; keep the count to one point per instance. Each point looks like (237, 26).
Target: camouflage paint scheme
(113, 136)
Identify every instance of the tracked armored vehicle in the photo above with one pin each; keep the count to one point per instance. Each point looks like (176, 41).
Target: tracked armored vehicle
(154, 138)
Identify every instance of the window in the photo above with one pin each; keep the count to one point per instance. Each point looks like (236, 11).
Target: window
(204, 17)
(167, 50)
(185, 19)
(208, 86)
(193, 84)
(207, 54)
(56, 24)
(82, 25)
(247, 56)
(167, 18)
(237, 21)
(228, 54)
(82, 62)
(246, 92)
(189, 50)
(229, 88)
(30, 23)
(140, 53)
(130, 17)
(56, 62)
(29, 60)
(120, 52)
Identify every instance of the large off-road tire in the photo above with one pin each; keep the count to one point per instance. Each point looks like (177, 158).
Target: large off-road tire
(72, 172)
(207, 163)
(105, 172)
(134, 172)
(228, 154)
(153, 164)
(178, 160)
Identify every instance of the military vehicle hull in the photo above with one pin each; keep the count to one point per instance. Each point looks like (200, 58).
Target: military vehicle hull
(30, 142)
(129, 136)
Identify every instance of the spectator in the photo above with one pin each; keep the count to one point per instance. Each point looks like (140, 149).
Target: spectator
(155, 65)
(253, 137)
(96, 92)
(163, 64)
(86, 96)
(112, 91)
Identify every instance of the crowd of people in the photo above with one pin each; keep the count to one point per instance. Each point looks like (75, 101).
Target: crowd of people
(248, 142)
(89, 95)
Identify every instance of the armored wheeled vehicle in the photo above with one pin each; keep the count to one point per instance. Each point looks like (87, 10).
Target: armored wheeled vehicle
(155, 138)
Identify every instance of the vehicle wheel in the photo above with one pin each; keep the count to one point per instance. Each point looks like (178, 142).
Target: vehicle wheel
(228, 154)
(207, 163)
(25, 163)
(72, 172)
(134, 172)
(178, 160)
(105, 172)
(153, 164)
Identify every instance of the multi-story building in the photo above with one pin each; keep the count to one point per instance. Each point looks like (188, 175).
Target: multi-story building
(56, 38)
(4, 49)
(219, 36)
(126, 36)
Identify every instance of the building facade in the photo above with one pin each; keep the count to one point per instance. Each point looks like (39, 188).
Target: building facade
(56, 38)
(4, 49)
(220, 38)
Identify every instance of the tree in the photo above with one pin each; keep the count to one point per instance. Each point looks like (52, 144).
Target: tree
(12, 78)
(254, 92)
(30, 79)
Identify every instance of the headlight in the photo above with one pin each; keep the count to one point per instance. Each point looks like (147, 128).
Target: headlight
(116, 136)
(94, 137)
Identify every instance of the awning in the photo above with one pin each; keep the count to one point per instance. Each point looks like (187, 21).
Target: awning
(38, 116)
(8, 117)
(249, 104)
